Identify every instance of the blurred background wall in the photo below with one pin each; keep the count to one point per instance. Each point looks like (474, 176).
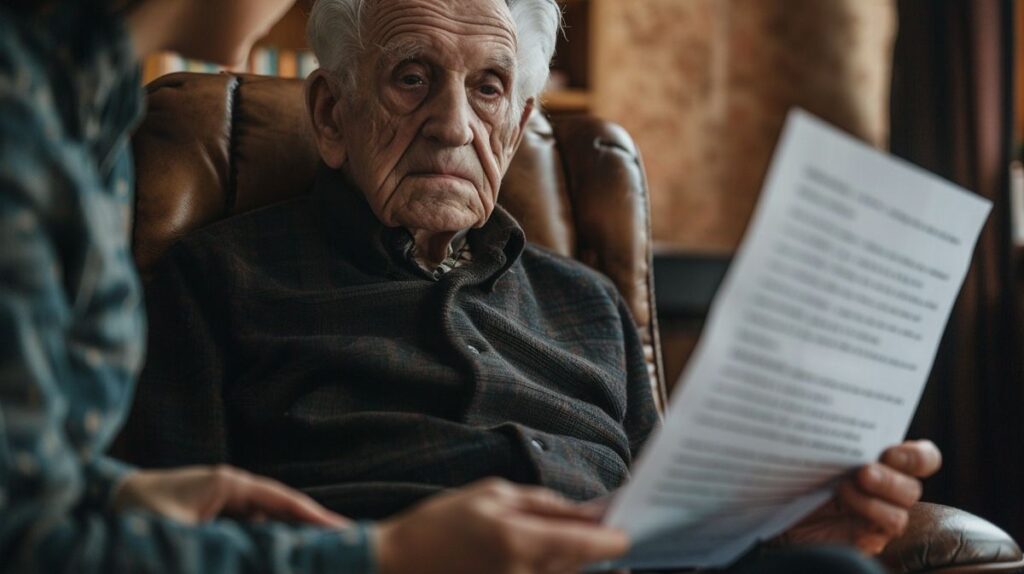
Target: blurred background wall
(704, 86)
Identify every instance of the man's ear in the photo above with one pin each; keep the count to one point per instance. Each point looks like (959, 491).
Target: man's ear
(322, 106)
(527, 110)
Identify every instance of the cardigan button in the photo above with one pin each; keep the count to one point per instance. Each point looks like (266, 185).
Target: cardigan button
(473, 349)
(538, 445)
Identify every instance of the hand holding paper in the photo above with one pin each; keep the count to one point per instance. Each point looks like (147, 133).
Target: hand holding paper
(872, 505)
(816, 351)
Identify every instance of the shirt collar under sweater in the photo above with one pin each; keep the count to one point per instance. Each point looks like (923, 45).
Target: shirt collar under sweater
(388, 251)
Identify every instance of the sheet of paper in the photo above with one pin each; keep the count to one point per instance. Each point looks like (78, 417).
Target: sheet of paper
(815, 352)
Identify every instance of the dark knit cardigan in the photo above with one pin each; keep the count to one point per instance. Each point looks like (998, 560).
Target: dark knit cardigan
(300, 342)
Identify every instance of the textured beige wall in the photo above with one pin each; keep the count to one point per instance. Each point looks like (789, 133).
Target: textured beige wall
(704, 86)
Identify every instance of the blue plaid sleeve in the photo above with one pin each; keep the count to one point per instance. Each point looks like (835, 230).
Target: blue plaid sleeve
(71, 336)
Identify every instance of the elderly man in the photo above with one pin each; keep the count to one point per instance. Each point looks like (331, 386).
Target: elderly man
(393, 334)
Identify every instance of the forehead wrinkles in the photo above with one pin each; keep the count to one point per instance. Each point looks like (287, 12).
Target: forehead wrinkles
(396, 18)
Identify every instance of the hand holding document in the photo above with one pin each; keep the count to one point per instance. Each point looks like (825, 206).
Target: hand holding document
(815, 354)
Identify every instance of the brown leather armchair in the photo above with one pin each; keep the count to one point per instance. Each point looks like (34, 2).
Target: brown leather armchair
(215, 146)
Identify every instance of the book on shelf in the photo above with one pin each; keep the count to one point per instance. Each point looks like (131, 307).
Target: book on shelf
(287, 64)
(307, 64)
(264, 61)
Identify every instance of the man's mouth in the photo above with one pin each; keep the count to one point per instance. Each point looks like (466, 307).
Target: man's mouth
(449, 175)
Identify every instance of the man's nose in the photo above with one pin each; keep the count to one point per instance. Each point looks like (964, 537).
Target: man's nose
(450, 114)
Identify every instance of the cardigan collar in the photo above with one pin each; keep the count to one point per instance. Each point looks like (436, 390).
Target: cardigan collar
(387, 251)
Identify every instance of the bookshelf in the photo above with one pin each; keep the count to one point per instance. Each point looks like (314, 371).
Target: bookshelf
(283, 52)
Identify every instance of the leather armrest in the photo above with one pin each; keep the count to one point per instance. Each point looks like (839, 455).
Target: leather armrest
(946, 540)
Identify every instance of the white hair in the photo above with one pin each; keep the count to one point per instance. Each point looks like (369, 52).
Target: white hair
(335, 31)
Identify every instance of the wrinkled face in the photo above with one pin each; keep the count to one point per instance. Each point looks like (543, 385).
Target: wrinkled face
(433, 125)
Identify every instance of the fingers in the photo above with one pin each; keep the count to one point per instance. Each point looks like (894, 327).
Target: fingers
(534, 500)
(891, 485)
(917, 458)
(880, 515)
(572, 544)
(197, 494)
(881, 494)
(566, 533)
(560, 534)
(893, 480)
(286, 504)
(544, 502)
(257, 497)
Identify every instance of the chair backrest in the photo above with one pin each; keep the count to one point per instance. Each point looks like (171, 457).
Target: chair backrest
(213, 146)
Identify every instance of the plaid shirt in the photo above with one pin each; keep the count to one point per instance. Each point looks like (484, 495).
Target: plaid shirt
(302, 341)
(71, 323)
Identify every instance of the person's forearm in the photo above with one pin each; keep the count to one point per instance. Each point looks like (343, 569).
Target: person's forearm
(140, 542)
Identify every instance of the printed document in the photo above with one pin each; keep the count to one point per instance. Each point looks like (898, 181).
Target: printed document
(815, 353)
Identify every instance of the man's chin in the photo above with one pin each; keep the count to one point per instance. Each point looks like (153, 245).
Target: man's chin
(444, 223)
(442, 210)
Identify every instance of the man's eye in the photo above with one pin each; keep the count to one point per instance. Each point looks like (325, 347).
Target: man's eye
(412, 80)
(490, 90)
